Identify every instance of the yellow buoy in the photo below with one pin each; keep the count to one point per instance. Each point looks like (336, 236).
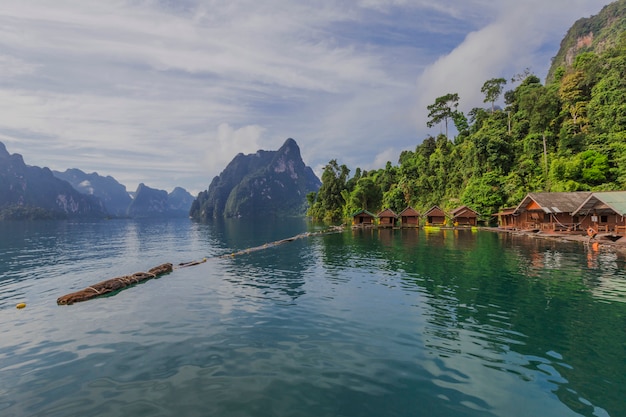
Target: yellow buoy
(21, 305)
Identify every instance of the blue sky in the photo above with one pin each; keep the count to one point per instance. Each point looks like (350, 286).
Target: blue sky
(167, 92)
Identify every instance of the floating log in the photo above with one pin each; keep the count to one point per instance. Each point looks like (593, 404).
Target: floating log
(192, 263)
(114, 284)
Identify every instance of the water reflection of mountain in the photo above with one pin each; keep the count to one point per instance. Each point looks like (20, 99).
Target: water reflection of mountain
(238, 234)
(273, 272)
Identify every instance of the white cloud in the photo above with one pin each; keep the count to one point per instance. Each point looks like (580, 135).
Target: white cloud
(166, 93)
(228, 142)
(505, 47)
(381, 159)
(11, 67)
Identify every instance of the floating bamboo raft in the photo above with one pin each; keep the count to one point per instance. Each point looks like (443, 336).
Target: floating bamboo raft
(113, 285)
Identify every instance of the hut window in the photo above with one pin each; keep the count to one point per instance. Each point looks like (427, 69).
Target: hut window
(546, 218)
(604, 219)
(534, 216)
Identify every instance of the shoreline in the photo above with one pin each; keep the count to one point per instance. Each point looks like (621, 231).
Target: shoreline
(606, 241)
(602, 240)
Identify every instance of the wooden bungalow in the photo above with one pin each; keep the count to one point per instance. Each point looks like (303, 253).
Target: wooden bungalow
(549, 211)
(409, 217)
(464, 216)
(506, 218)
(363, 218)
(435, 216)
(604, 212)
(387, 218)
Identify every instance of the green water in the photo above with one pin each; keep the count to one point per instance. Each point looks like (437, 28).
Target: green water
(358, 323)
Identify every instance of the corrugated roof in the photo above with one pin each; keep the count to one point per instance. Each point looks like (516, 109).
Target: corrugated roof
(615, 200)
(364, 212)
(387, 213)
(506, 211)
(566, 202)
(456, 210)
(409, 211)
(435, 211)
(464, 211)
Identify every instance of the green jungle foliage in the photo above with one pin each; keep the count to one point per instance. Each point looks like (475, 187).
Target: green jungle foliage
(567, 135)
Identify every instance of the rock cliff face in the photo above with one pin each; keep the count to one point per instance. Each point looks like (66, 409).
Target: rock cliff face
(112, 193)
(28, 192)
(595, 33)
(150, 202)
(179, 201)
(260, 184)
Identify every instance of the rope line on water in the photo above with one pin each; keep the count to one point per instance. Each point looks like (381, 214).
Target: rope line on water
(114, 285)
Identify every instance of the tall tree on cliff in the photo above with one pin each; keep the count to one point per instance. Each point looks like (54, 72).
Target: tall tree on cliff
(492, 89)
(442, 109)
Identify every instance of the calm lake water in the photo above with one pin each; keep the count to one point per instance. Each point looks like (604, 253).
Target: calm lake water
(357, 323)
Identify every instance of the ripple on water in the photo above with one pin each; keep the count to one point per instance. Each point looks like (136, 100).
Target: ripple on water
(367, 323)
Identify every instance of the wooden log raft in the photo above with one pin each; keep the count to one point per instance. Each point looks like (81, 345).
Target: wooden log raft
(113, 285)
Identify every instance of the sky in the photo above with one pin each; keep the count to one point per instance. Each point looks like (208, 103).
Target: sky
(167, 92)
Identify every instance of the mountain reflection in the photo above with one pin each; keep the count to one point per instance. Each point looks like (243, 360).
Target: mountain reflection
(273, 272)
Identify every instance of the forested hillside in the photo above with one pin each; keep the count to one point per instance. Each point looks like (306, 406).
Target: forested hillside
(568, 134)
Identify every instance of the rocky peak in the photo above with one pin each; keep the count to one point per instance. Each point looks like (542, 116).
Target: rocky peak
(33, 192)
(595, 33)
(3, 151)
(264, 183)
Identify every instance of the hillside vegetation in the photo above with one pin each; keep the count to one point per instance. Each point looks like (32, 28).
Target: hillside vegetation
(595, 34)
(568, 134)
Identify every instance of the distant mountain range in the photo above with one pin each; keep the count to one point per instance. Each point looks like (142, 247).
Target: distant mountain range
(113, 194)
(147, 202)
(150, 202)
(30, 192)
(261, 184)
